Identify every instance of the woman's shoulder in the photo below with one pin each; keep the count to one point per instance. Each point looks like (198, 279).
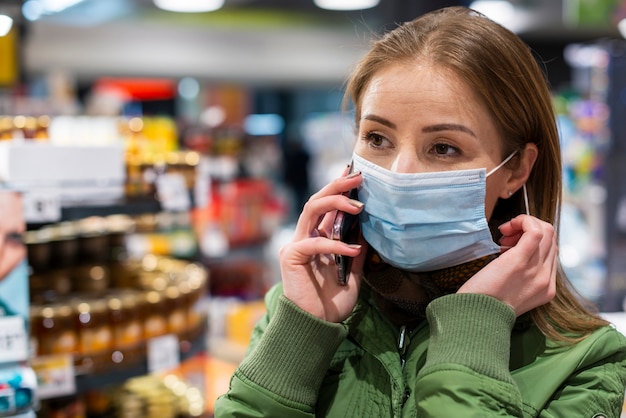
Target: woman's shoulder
(607, 339)
(603, 343)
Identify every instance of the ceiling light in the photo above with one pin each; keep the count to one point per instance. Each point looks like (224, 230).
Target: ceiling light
(345, 4)
(189, 6)
(32, 10)
(5, 24)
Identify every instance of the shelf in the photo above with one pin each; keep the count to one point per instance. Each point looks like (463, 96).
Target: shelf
(115, 367)
(127, 206)
(90, 376)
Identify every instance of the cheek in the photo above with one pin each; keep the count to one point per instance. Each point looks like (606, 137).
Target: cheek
(12, 255)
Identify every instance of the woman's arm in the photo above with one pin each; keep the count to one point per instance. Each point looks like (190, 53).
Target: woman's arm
(282, 372)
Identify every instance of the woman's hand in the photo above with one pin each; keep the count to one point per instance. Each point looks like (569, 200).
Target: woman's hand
(524, 276)
(307, 265)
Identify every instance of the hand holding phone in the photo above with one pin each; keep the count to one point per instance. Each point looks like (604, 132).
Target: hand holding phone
(346, 229)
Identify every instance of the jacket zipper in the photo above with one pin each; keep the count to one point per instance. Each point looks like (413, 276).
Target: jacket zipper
(402, 345)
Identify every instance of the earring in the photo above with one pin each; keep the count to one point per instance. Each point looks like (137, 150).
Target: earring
(510, 193)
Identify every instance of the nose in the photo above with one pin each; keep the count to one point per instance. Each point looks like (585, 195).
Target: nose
(405, 162)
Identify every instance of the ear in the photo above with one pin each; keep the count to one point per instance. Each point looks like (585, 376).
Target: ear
(520, 174)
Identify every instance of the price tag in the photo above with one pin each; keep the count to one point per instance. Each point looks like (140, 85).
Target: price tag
(13, 339)
(163, 353)
(55, 375)
(172, 192)
(41, 206)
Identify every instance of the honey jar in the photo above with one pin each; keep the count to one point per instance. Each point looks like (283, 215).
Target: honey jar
(125, 319)
(156, 316)
(52, 328)
(94, 329)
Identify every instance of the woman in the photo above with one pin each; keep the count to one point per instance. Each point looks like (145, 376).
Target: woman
(12, 248)
(455, 305)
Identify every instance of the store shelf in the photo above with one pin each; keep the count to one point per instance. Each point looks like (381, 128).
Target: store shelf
(127, 206)
(115, 367)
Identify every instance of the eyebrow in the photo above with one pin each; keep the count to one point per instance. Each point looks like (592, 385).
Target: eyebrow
(380, 120)
(448, 127)
(427, 129)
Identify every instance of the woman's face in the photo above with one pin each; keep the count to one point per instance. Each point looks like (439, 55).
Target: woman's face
(420, 118)
(12, 226)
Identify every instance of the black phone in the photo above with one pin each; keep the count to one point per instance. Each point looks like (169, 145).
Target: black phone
(345, 228)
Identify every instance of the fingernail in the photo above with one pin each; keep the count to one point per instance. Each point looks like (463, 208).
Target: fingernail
(356, 203)
(353, 174)
(355, 246)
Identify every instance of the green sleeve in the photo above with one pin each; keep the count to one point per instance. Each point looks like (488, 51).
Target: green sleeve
(467, 365)
(467, 368)
(283, 369)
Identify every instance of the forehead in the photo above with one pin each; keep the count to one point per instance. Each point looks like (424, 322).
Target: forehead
(429, 88)
(406, 83)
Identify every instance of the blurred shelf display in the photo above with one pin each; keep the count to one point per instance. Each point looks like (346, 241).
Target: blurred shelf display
(124, 228)
(147, 318)
(592, 141)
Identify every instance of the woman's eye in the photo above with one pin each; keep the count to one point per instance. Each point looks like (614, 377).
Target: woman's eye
(374, 139)
(444, 149)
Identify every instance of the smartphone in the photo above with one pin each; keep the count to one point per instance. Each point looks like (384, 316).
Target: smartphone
(345, 228)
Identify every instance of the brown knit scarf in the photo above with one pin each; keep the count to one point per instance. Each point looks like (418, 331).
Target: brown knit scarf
(403, 295)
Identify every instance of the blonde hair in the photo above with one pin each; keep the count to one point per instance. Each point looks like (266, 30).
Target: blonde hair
(505, 75)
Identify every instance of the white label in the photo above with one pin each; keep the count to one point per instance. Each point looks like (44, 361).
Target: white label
(172, 192)
(163, 353)
(55, 375)
(41, 206)
(13, 339)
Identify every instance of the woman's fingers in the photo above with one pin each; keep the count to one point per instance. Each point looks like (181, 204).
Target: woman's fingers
(301, 252)
(318, 212)
(525, 275)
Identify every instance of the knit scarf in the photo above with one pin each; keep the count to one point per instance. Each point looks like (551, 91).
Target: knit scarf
(403, 295)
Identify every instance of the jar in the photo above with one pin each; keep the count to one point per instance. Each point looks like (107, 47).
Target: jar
(91, 278)
(125, 319)
(94, 329)
(49, 287)
(60, 281)
(93, 239)
(38, 249)
(152, 280)
(124, 274)
(186, 299)
(175, 306)
(63, 244)
(155, 320)
(52, 327)
(118, 226)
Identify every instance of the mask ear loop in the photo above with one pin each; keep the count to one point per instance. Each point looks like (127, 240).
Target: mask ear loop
(506, 160)
(526, 200)
(496, 168)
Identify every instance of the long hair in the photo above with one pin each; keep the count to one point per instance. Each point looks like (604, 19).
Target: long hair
(502, 70)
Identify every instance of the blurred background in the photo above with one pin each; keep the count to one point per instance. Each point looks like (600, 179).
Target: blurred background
(164, 151)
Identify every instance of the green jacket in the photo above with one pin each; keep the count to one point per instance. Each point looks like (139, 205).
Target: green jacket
(470, 359)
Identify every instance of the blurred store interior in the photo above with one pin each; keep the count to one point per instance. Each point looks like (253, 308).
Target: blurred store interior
(163, 157)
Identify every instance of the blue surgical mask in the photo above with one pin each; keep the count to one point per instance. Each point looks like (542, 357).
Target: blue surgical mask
(425, 221)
